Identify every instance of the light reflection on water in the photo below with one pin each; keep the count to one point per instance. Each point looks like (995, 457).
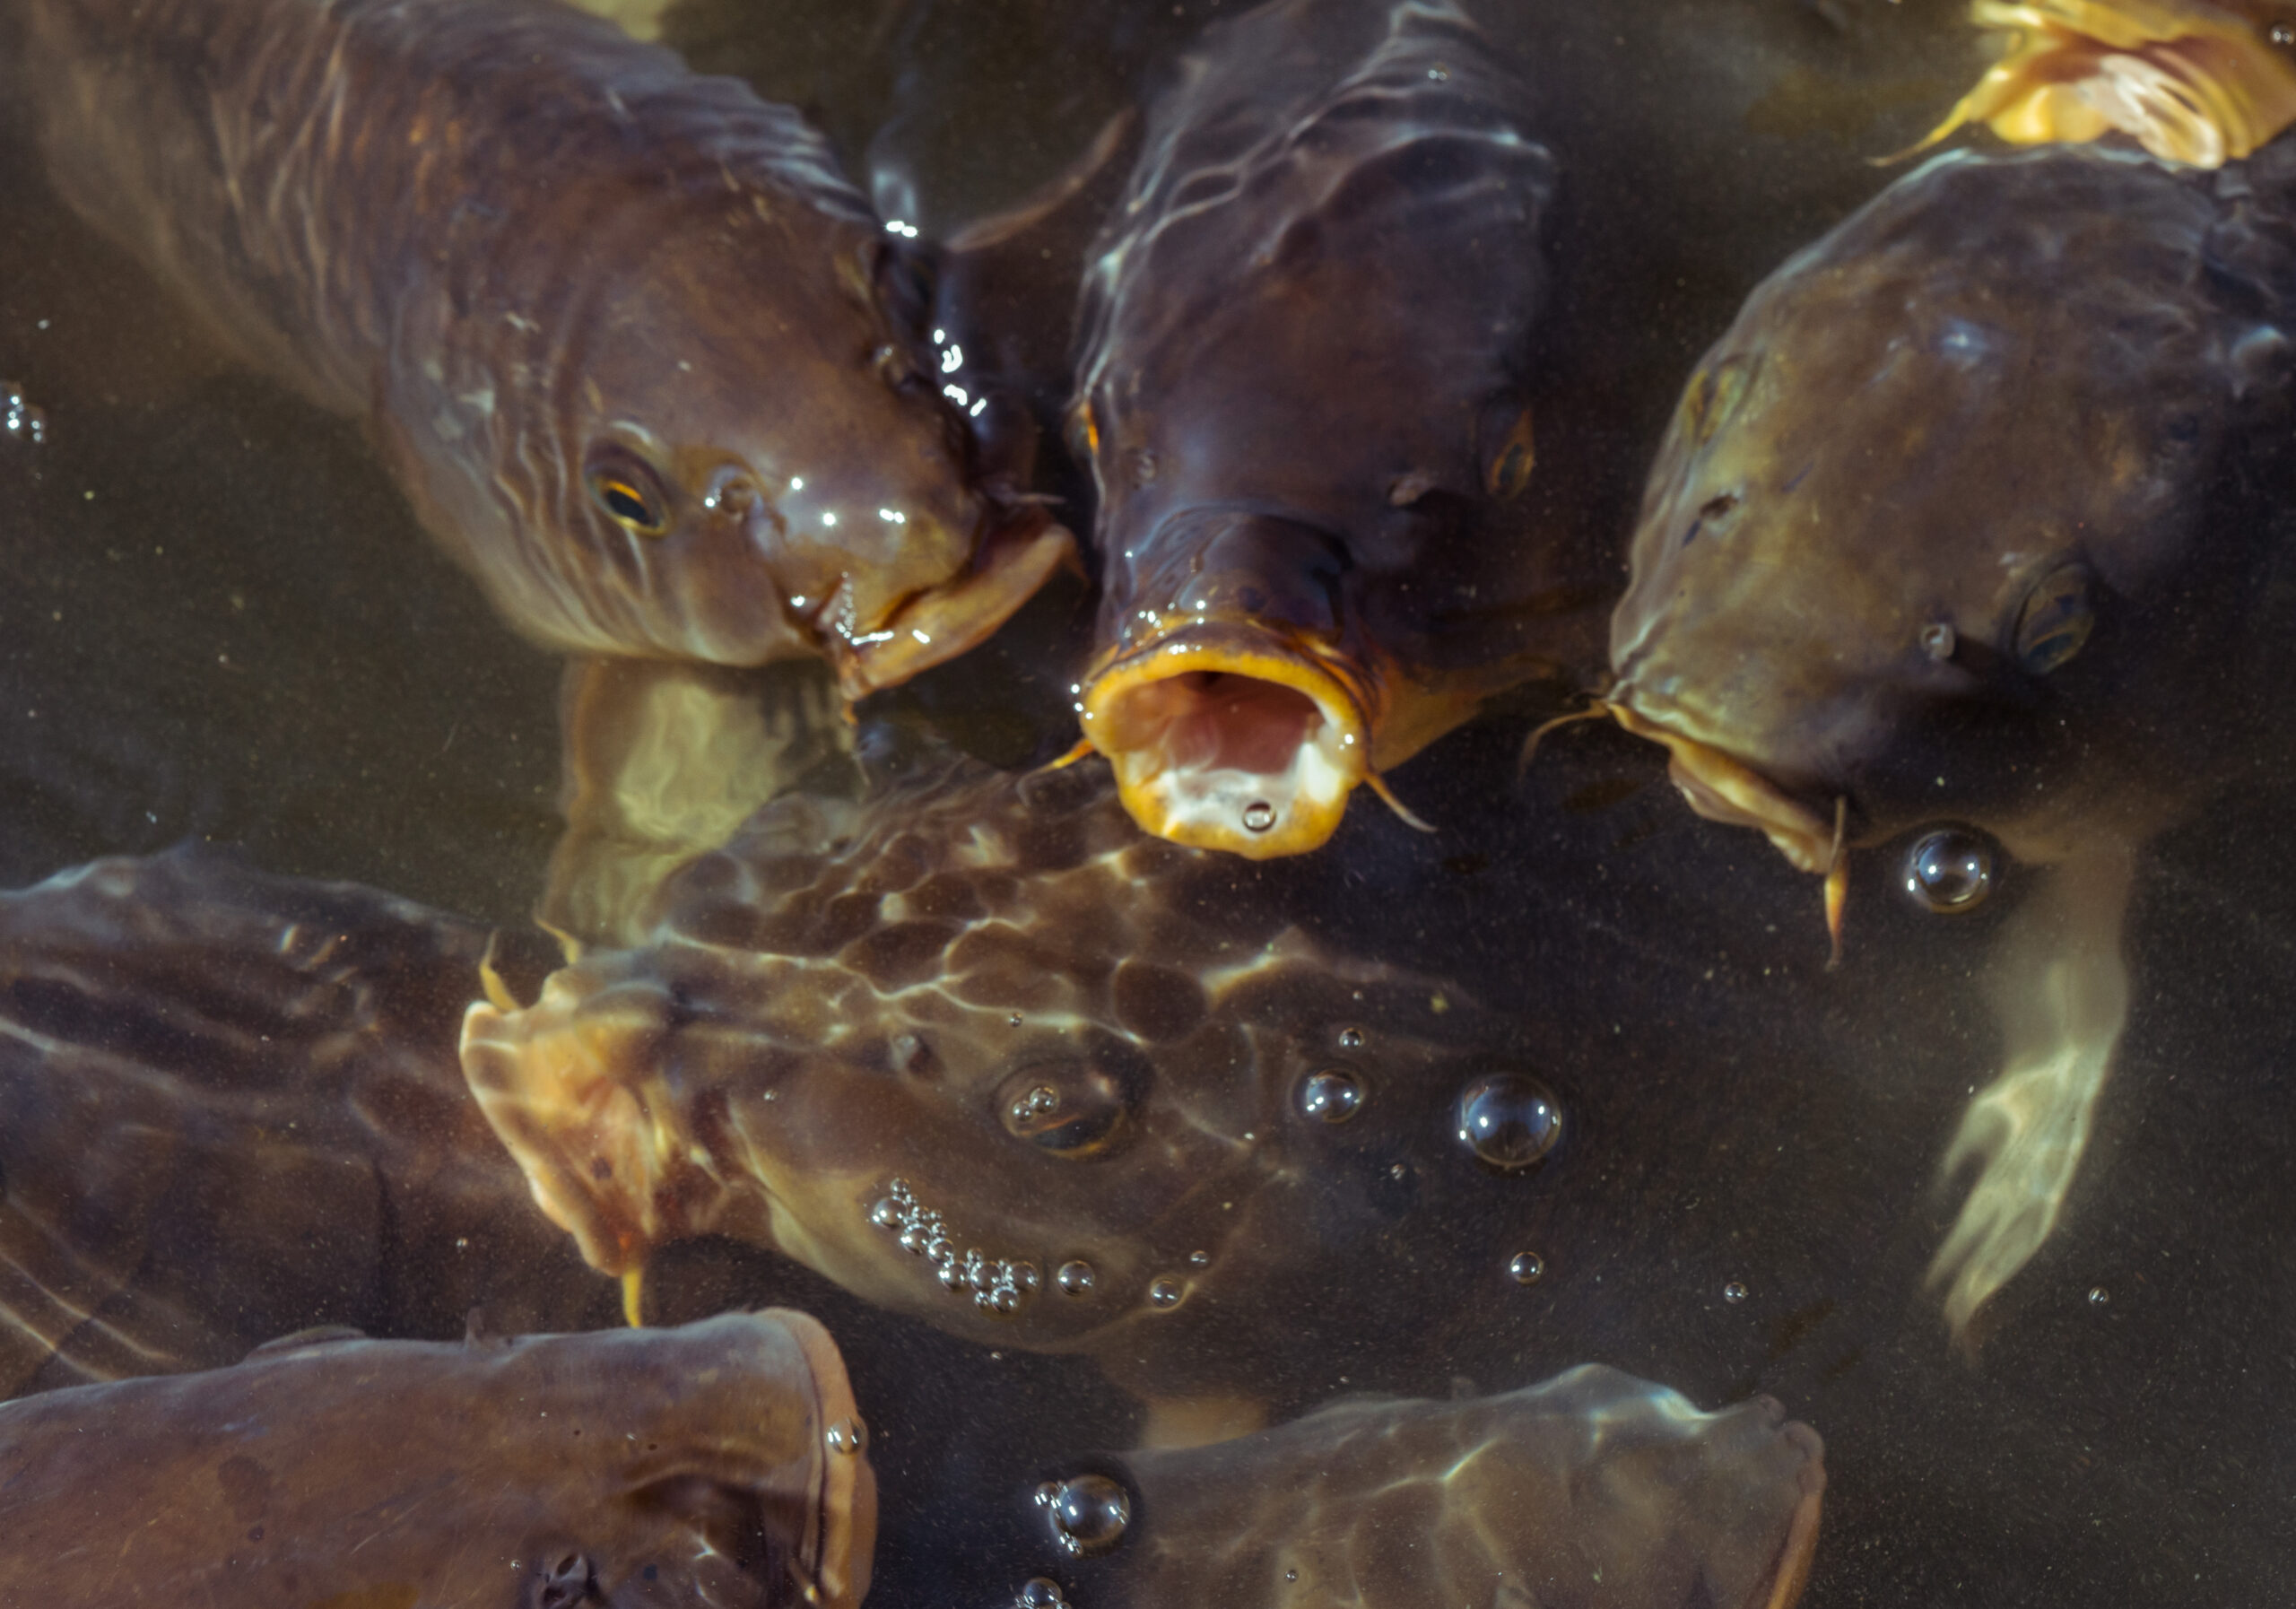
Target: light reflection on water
(217, 621)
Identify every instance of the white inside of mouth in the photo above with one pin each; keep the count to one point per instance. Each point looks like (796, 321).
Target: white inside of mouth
(1228, 755)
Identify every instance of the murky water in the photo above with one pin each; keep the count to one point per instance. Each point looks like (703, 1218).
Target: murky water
(219, 622)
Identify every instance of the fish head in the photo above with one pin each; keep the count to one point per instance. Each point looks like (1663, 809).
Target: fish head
(757, 462)
(1002, 1062)
(1949, 507)
(1236, 714)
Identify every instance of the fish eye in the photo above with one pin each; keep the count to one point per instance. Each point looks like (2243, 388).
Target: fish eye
(2055, 621)
(1073, 1110)
(628, 491)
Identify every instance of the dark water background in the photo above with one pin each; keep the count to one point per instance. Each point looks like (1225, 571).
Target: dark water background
(218, 621)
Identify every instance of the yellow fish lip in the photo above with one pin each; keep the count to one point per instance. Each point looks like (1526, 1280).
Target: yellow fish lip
(2190, 81)
(1232, 735)
(927, 628)
(1724, 789)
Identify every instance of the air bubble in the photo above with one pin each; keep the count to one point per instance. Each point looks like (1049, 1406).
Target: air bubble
(1526, 1267)
(20, 419)
(886, 1213)
(1199, 1259)
(1076, 1278)
(1164, 1293)
(2099, 1296)
(1351, 1039)
(1333, 1095)
(1259, 816)
(1042, 1593)
(848, 1436)
(2283, 33)
(1508, 1120)
(1950, 870)
(1072, 1110)
(1088, 1513)
(1734, 1292)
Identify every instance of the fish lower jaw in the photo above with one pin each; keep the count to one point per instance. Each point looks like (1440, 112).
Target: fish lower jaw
(1728, 790)
(1221, 744)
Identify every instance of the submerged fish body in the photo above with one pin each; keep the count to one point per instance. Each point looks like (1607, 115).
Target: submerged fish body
(698, 1464)
(1301, 391)
(637, 351)
(2203, 81)
(1592, 1488)
(229, 1107)
(980, 1051)
(1974, 516)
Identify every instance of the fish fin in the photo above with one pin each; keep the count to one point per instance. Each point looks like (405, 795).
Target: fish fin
(2060, 991)
(1040, 207)
(1378, 785)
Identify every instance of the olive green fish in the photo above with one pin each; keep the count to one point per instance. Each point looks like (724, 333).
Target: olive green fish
(642, 358)
(719, 1462)
(1971, 518)
(980, 1050)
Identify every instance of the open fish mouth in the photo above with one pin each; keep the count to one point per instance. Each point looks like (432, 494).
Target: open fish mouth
(2190, 81)
(1229, 736)
(923, 629)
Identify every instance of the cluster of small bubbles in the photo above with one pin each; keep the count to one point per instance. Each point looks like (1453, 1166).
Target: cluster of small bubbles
(1950, 870)
(1259, 816)
(998, 1284)
(1088, 1513)
(1525, 1268)
(1076, 1278)
(1734, 1292)
(20, 419)
(1164, 1293)
(1333, 1095)
(2099, 1296)
(1042, 1592)
(1508, 1120)
(848, 1436)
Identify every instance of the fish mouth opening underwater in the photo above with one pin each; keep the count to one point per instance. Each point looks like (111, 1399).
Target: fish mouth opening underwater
(1230, 737)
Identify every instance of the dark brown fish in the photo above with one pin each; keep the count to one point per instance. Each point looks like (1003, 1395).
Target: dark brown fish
(229, 1107)
(639, 353)
(980, 1051)
(1592, 1489)
(1305, 343)
(719, 1462)
(1970, 518)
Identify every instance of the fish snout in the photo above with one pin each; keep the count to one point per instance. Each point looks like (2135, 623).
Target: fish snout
(945, 595)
